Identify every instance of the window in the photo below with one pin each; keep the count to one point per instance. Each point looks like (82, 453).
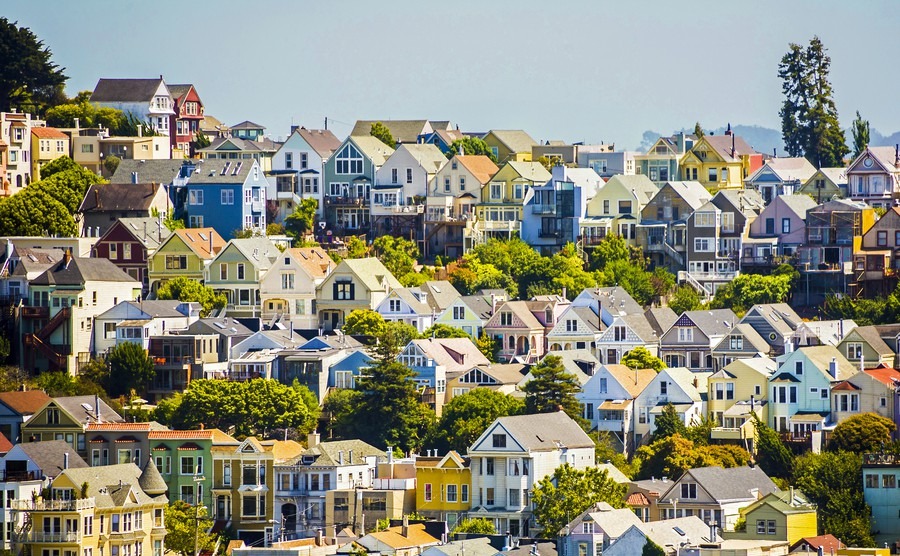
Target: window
(506, 318)
(499, 440)
(703, 244)
(785, 225)
(489, 497)
(428, 492)
(882, 238)
(459, 313)
(605, 206)
(195, 197)
(409, 175)
(462, 183)
(603, 385)
(464, 494)
(451, 494)
(713, 175)
(663, 388)
(227, 196)
(871, 480)
(798, 367)
(854, 351)
(195, 221)
(685, 334)
(394, 175)
(287, 281)
(737, 343)
(349, 161)
(289, 160)
(343, 290)
(240, 271)
(496, 191)
(889, 481)
(624, 207)
(728, 222)
(689, 490)
(447, 184)
(489, 466)
(223, 271)
(304, 161)
(190, 466)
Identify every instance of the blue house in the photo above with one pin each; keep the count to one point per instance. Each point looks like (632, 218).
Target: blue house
(553, 211)
(227, 195)
(344, 373)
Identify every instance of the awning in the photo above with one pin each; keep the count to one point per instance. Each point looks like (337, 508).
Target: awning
(161, 447)
(679, 407)
(615, 405)
(127, 439)
(99, 439)
(807, 418)
(189, 446)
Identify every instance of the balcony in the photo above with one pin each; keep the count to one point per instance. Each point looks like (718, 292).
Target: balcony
(31, 312)
(543, 209)
(881, 460)
(19, 476)
(43, 537)
(499, 225)
(53, 505)
(351, 201)
(611, 425)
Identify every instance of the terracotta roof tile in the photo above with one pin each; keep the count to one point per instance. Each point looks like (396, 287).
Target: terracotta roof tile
(48, 133)
(637, 499)
(130, 427)
(205, 434)
(24, 403)
(198, 240)
(314, 260)
(885, 375)
(482, 167)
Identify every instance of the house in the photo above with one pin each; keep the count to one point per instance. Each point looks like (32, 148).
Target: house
(407, 305)
(780, 176)
(476, 546)
(737, 392)
(800, 390)
(236, 271)
(879, 472)
(608, 400)
(403, 131)
(185, 122)
(864, 348)
(579, 363)
(821, 332)
(167, 173)
(716, 494)
(777, 233)
(499, 212)
(348, 177)
(510, 145)
(720, 161)
(116, 443)
(129, 243)
(227, 195)
(663, 222)
(469, 313)
(103, 204)
(689, 342)
(64, 301)
(556, 152)
(297, 169)
(776, 323)
(782, 516)
(15, 151)
(627, 332)
(677, 386)
(876, 262)
(228, 332)
(147, 100)
(180, 358)
(21, 266)
(391, 497)
(521, 334)
(432, 359)
(443, 138)
(451, 199)
(595, 529)
(442, 487)
(512, 455)
(555, 211)
(608, 302)
(90, 151)
(643, 496)
(609, 162)
(246, 143)
(660, 162)
(715, 233)
(402, 540)
(875, 392)
(288, 289)
(577, 328)
(496, 376)
(66, 418)
(354, 284)
(137, 321)
(828, 543)
(186, 252)
(16, 408)
(325, 362)
(47, 144)
(826, 184)
(874, 177)
(741, 342)
(616, 209)
(401, 184)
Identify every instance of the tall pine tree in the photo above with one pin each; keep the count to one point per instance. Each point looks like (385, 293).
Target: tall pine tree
(860, 132)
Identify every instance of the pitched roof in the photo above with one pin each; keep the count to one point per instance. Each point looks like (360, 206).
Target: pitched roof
(821, 357)
(504, 373)
(314, 260)
(257, 249)
(479, 305)
(408, 295)
(837, 176)
(24, 403)
(372, 148)
(125, 90)
(35, 260)
(179, 90)
(587, 316)
(163, 308)
(454, 354)
(828, 542)
(884, 375)
(199, 241)
(887, 156)
(247, 124)
(427, 155)
(788, 169)
(5, 444)
(48, 133)
(798, 204)
(77, 271)
(372, 272)
(751, 336)
(125, 427)
(613, 522)
(50, 456)
(393, 537)
(403, 131)
(214, 171)
(714, 322)
(640, 185)
(545, 431)
(263, 145)
(118, 197)
(660, 318)
(692, 192)
(323, 141)
(734, 483)
(77, 407)
(633, 381)
(723, 145)
(109, 485)
(670, 533)
(480, 166)
(870, 335)
(148, 171)
(516, 140)
(215, 435)
(748, 201)
(520, 309)
(151, 480)
(329, 454)
(642, 327)
(146, 229)
(533, 171)
(439, 294)
(616, 300)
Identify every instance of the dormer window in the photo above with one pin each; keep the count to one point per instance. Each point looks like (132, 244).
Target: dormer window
(498, 440)
(505, 318)
(798, 367)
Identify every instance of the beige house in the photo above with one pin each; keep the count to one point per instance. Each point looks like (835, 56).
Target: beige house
(288, 288)
(354, 284)
(47, 144)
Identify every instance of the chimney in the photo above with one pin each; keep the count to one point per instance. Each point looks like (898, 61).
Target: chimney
(312, 439)
(362, 525)
(67, 258)
(134, 177)
(210, 244)
(140, 130)
(318, 537)
(96, 397)
(564, 292)
(66, 460)
(97, 198)
(832, 367)
(405, 529)
(712, 531)
(792, 496)
(493, 303)
(77, 125)
(390, 454)
(732, 142)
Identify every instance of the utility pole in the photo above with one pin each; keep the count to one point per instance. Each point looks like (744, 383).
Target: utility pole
(197, 480)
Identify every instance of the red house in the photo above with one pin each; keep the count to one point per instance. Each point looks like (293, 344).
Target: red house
(129, 243)
(187, 118)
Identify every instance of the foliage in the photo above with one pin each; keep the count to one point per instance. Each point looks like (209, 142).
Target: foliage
(772, 455)
(472, 275)
(606, 450)
(89, 115)
(440, 330)
(415, 279)
(394, 337)
(809, 117)
(468, 415)
(833, 481)
(551, 389)
(200, 141)
(631, 277)
(68, 183)
(185, 524)
(130, 126)
(669, 423)
(610, 249)
(563, 270)
(35, 212)
(383, 134)
(698, 130)
(171, 223)
(58, 384)
(339, 408)
(302, 221)
(570, 491)
(396, 253)
(245, 233)
(57, 165)
(356, 248)
(672, 455)
(186, 289)
(255, 407)
(641, 358)
(864, 432)
(860, 130)
(488, 346)
(130, 368)
(685, 298)
(363, 322)
(471, 145)
(747, 290)
(5, 349)
(28, 77)
(663, 281)
(475, 526)
(863, 311)
(111, 163)
(652, 549)
(14, 378)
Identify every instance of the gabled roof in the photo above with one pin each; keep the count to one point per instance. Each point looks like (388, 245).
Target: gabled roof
(765, 366)
(314, 260)
(828, 332)
(533, 171)
(686, 380)
(24, 403)
(149, 231)
(403, 131)
(521, 311)
(787, 169)
(247, 124)
(258, 250)
(821, 357)
(504, 373)
(670, 533)
(48, 133)
(734, 483)
(884, 375)
(216, 171)
(639, 185)
(408, 295)
(180, 90)
(50, 456)
(692, 192)
(573, 361)
(263, 145)
(439, 294)
(516, 140)
(479, 305)
(454, 354)
(616, 300)
(750, 335)
(148, 171)
(714, 322)
(586, 315)
(870, 335)
(639, 324)
(200, 240)
(323, 141)
(838, 176)
(77, 271)
(110, 485)
(798, 204)
(633, 381)
(328, 454)
(660, 319)
(480, 166)
(748, 201)
(394, 538)
(223, 326)
(613, 522)
(371, 272)
(427, 155)
(125, 90)
(886, 156)
(76, 406)
(722, 144)
(544, 431)
(35, 260)
(119, 197)
(372, 148)
(162, 308)
(829, 543)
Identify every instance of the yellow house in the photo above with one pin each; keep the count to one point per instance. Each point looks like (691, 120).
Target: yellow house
(442, 487)
(499, 214)
(825, 184)
(720, 162)
(111, 510)
(510, 145)
(47, 144)
(186, 252)
(354, 284)
(778, 516)
(735, 391)
(66, 418)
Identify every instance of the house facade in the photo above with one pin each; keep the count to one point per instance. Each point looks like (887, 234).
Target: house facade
(184, 124)
(499, 212)
(720, 161)
(129, 243)
(348, 177)
(227, 195)
(148, 100)
(288, 288)
(874, 177)
(354, 284)
(297, 168)
(236, 271)
(185, 252)
(401, 184)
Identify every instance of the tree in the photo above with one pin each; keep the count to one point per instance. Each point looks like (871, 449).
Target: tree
(652, 549)
(186, 289)
(669, 423)
(611, 248)
(641, 358)
(468, 415)
(394, 337)
(860, 132)
(551, 388)
(68, 186)
(396, 253)
(864, 432)
(672, 455)
(88, 115)
(130, 368)
(809, 118)
(339, 409)
(773, 456)
(440, 330)
(186, 524)
(698, 130)
(34, 212)
(471, 146)
(488, 346)
(475, 526)
(629, 276)
(57, 165)
(568, 492)
(28, 77)
(200, 141)
(111, 164)
(383, 134)
(303, 220)
(747, 290)
(685, 298)
(363, 322)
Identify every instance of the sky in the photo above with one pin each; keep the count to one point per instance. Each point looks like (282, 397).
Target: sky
(592, 71)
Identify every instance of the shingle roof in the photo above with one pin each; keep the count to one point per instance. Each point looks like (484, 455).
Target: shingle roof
(394, 538)
(505, 373)
(372, 148)
(403, 131)
(148, 171)
(427, 155)
(215, 171)
(125, 90)
(838, 176)
(660, 318)
(198, 240)
(798, 204)
(633, 381)
(314, 260)
(440, 294)
(258, 250)
(735, 483)
(408, 296)
(521, 310)
(203, 434)
(49, 456)
(48, 133)
(151, 480)
(179, 90)
(323, 141)
(887, 156)
(587, 316)
(35, 260)
(871, 336)
(455, 354)
(533, 171)
(692, 192)
(327, 454)
(751, 336)
(480, 166)
(713, 322)
(109, 485)
(642, 327)
(75, 406)
(77, 271)
(884, 375)
(640, 185)
(371, 271)
(516, 140)
(118, 197)
(126, 427)
(146, 229)
(479, 305)
(788, 169)
(821, 357)
(24, 403)
(723, 144)
(545, 431)
(247, 124)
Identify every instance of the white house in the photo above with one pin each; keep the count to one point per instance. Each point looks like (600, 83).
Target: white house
(136, 321)
(297, 168)
(288, 289)
(148, 100)
(608, 400)
(677, 386)
(401, 184)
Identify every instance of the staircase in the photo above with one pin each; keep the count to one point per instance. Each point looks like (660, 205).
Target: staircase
(57, 355)
(685, 277)
(670, 251)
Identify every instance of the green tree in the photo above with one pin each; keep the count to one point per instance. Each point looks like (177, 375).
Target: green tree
(130, 125)
(356, 248)
(860, 130)
(61, 164)
(302, 221)
(393, 338)
(864, 432)
(396, 253)
(672, 455)
(551, 388)
(363, 322)
(383, 134)
(809, 118)
(339, 409)
(641, 358)
(652, 549)
(747, 290)
(69, 186)
(111, 164)
(685, 298)
(200, 141)
(186, 524)
(610, 249)
(631, 277)
(773, 456)
(389, 411)
(468, 415)
(186, 289)
(488, 346)
(669, 423)
(35, 212)
(28, 76)
(171, 223)
(130, 368)
(471, 146)
(475, 526)
(698, 130)
(568, 492)
(440, 330)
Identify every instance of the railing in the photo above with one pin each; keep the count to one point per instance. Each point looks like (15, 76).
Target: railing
(42, 537)
(354, 200)
(543, 209)
(53, 505)
(684, 276)
(58, 319)
(17, 476)
(511, 225)
(550, 233)
(881, 459)
(32, 312)
(172, 361)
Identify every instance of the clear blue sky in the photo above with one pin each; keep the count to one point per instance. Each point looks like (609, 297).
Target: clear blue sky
(579, 71)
